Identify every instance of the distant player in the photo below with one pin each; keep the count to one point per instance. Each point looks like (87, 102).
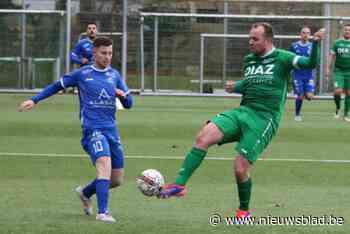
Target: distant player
(303, 79)
(82, 51)
(255, 121)
(99, 86)
(340, 55)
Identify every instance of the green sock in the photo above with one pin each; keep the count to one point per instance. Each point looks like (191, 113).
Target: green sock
(244, 190)
(193, 159)
(346, 105)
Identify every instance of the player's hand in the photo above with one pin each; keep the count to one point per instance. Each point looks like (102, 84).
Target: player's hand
(26, 105)
(319, 35)
(120, 93)
(84, 61)
(229, 86)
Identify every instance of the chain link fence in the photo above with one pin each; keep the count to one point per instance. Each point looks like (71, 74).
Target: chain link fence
(171, 54)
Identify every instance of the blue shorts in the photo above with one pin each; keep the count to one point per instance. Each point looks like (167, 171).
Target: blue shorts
(303, 85)
(103, 142)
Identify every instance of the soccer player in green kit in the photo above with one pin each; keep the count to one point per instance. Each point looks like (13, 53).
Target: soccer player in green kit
(256, 120)
(340, 53)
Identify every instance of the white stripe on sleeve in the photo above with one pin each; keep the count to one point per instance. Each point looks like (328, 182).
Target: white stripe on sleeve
(295, 61)
(62, 84)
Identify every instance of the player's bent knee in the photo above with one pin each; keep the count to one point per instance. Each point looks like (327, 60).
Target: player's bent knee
(201, 142)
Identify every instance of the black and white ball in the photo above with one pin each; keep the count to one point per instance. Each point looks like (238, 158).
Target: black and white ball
(150, 182)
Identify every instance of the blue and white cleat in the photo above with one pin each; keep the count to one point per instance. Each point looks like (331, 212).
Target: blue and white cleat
(105, 217)
(172, 190)
(86, 202)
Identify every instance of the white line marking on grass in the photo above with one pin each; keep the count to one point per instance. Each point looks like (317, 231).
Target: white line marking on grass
(172, 157)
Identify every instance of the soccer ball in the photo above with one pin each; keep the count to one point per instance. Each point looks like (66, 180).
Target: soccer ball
(150, 182)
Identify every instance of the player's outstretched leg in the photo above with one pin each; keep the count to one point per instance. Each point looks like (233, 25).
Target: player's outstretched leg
(208, 136)
(86, 202)
(192, 161)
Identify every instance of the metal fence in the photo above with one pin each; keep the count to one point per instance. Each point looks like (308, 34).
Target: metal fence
(29, 38)
(210, 48)
(173, 52)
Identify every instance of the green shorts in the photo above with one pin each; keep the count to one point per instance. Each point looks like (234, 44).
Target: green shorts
(252, 132)
(341, 79)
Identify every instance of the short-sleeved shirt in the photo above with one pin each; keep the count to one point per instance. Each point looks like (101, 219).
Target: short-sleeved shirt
(341, 49)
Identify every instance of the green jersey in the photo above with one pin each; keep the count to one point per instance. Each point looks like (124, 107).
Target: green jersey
(341, 49)
(264, 87)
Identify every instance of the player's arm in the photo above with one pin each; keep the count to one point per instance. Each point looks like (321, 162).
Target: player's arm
(75, 55)
(330, 61)
(45, 93)
(233, 86)
(68, 80)
(310, 62)
(123, 93)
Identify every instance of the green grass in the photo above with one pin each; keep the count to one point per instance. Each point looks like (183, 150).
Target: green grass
(37, 191)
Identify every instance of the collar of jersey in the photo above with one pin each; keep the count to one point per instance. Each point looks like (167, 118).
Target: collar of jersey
(268, 53)
(302, 44)
(100, 70)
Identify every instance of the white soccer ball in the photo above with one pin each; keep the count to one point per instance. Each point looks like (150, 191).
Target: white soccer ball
(150, 182)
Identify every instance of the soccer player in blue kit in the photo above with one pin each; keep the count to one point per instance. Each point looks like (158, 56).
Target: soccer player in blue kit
(99, 86)
(82, 51)
(303, 79)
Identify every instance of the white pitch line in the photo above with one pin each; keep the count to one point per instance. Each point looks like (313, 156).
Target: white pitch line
(174, 157)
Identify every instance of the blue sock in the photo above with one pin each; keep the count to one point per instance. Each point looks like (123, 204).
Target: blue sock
(90, 189)
(298, 104)
(102, 187)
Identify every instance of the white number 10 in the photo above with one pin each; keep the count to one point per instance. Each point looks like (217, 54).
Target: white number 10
(98, 146)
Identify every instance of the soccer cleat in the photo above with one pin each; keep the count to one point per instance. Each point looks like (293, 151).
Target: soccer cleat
(105, 218)
(347, 118)
(86, 202)
(298, 118)
(242, 216)
(172, 190)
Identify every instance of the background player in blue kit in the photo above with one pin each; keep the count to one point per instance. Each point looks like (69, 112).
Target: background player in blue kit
(99, 86)
(303, 79)
(82, 51)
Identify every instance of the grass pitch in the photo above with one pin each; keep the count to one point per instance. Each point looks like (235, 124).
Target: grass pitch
(41, 162)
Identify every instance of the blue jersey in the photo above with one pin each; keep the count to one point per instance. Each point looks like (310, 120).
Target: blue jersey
(83, 49)
(303, 50)
(97, 94)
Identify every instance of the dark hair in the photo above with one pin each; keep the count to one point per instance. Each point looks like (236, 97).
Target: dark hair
(91, 22)
(102, 41)
(347, 25)
(268, 31)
